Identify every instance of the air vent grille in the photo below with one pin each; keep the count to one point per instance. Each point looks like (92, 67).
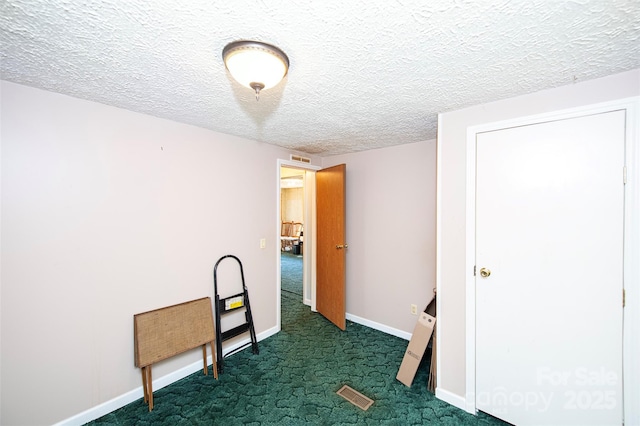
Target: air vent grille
(355, 397)
(300, 159)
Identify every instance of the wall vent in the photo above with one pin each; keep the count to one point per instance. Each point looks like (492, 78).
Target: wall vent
(300, 159)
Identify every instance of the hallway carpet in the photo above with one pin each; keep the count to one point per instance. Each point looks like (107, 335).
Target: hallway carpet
(294, 380)
(291, 272)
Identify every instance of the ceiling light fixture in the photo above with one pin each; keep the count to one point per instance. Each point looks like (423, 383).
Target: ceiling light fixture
(256, 65)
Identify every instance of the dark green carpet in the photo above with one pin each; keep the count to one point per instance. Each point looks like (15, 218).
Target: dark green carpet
(294, 379)
(291, 273)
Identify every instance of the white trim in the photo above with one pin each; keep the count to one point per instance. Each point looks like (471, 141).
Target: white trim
(470, 288)
(245, 341)
(309, 261)
(626, 103)
(631, 332)
(308, 255)
(439, 249)
(296, 165)
(380, 327)
(159, 383)
(278, 246)
(450, 398)
(105, 408)
(631, 339)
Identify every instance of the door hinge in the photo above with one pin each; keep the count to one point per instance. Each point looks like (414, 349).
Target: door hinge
(624, 297)
(474, 270)
(624, 175)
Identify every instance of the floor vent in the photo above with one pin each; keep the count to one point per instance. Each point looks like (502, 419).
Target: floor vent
(355, 397)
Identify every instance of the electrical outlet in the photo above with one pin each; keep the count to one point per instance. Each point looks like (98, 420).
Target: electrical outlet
(414, 310)
(263, 243)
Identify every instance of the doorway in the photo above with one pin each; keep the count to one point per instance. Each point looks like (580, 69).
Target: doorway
(566, 158)
(301, 179)
(549, 256)
(292, 218)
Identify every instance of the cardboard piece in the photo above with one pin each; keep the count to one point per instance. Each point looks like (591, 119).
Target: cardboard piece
(418, 344)
(431, 383)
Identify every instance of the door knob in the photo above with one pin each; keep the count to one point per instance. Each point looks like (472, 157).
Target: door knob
(484, 272)
(341, 246)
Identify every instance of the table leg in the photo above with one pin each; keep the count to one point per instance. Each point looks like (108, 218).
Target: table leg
(150, 387)
(204, 358)
(144, 383)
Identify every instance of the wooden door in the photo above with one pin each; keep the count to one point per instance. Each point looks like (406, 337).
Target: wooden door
(331, 246)
(549, 264)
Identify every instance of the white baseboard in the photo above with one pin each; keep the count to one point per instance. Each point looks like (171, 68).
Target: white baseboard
(102, 409)
(133, 395)
(137, 393)
(453, 399)
(267, 333)
(380, 327)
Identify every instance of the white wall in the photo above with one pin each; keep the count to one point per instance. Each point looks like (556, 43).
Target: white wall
(107, 213)
(390, 229)
(452, 182)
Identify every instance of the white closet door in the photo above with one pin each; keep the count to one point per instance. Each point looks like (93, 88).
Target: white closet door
(549, 230)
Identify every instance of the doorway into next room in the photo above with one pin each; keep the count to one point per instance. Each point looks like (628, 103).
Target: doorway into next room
(292, 214)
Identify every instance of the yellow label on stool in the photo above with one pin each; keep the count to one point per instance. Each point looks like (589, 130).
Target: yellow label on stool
(236, 302)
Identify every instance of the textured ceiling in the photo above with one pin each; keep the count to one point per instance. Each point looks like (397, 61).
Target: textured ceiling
(364, 74)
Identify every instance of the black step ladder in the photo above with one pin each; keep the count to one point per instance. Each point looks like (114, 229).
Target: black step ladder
(230, 304)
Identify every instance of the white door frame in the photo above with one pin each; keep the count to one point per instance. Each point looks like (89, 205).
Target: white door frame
(631, 313)
(308, 254)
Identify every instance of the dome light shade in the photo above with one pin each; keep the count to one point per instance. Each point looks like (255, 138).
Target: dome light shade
(256, 65)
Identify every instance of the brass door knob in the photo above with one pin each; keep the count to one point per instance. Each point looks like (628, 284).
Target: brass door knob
(341, 246)
(484, 272)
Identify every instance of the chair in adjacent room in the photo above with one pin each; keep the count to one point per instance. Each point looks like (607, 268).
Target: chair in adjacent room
(290, 235)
